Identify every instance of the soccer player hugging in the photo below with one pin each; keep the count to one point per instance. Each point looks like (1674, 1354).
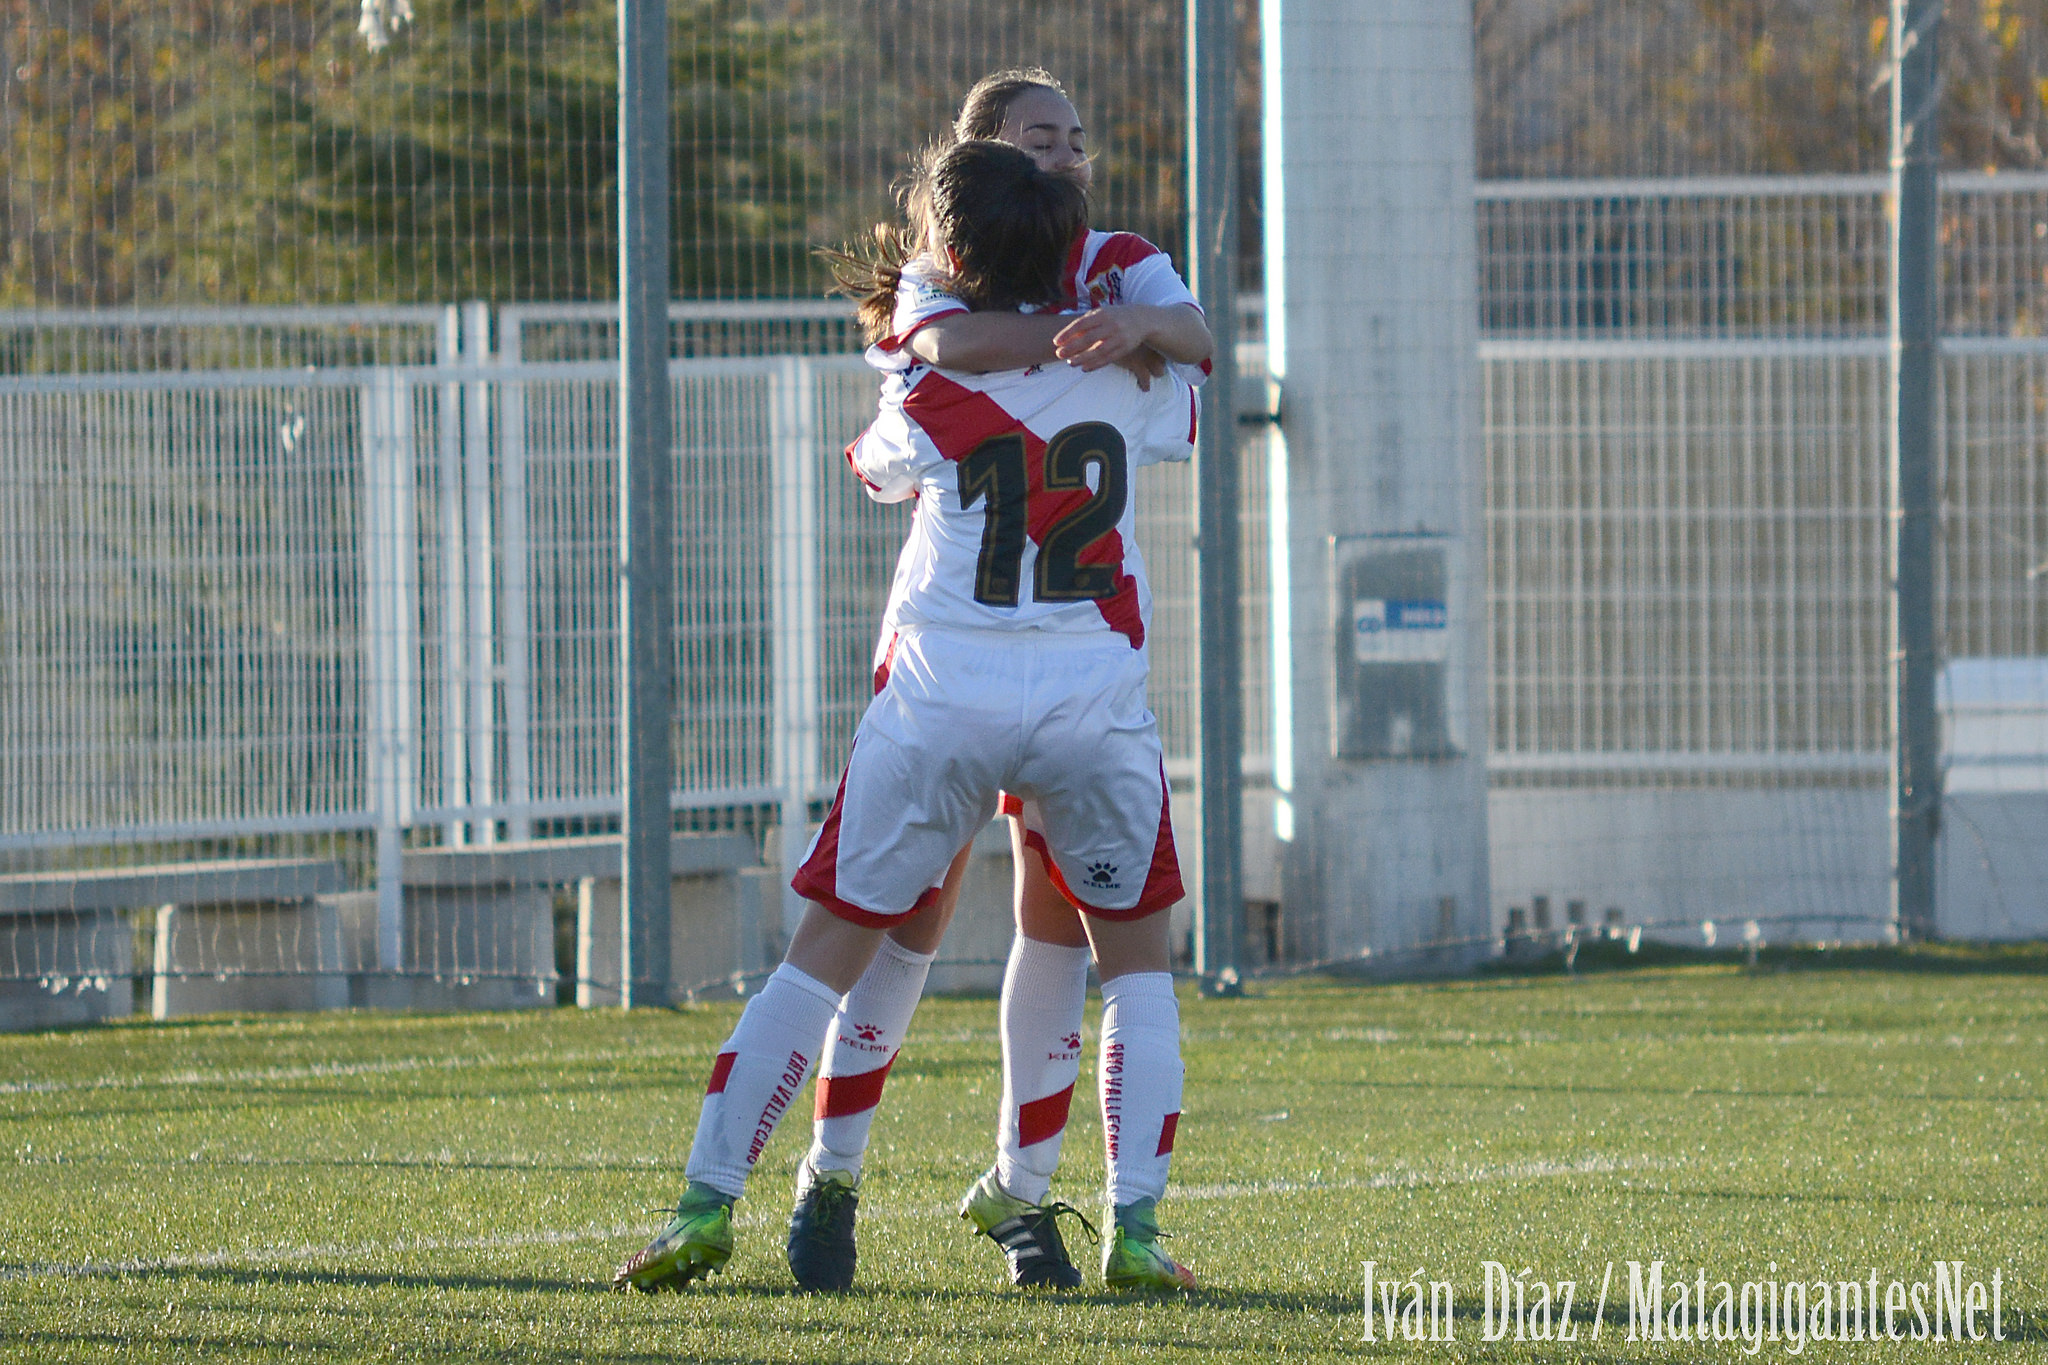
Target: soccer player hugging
(1014, 669)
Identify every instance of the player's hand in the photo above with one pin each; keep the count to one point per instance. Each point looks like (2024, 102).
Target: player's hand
(1145, 365)
(1101, 336)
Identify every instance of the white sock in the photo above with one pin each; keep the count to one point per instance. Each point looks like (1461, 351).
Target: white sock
(1140, 1079)
(1045, 988)
(759, 1073)
(865, 1036)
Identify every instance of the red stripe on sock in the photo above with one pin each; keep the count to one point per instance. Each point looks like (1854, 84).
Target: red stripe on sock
(1044, 1118)
(720, 1069)
(841, 1096)
(1166, 1133)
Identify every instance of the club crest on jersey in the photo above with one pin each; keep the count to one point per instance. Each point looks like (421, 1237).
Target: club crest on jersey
(1107, 288)
(1102, 875)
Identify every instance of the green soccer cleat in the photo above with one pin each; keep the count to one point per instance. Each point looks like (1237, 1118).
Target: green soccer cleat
(696, 1242)
(1133, 1260)
(1029, 1234)
(821, 1250)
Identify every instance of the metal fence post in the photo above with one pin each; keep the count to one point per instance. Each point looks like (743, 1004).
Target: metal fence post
(390, 645)
(454, 646)
(646, 510)
(480, 622)
(1212, 259)
(1915, 339)
(515, 617)
(792, 441)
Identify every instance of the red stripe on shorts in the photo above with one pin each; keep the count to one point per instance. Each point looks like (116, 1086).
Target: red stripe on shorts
(818, 878)
(1166, 1133)
(840, 1096)
(888, 658)
(1162, 880)
(1044, 1118)
(720, 1069)
(1162, 883)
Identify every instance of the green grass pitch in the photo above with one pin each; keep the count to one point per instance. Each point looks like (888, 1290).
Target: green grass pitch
(362, 1187)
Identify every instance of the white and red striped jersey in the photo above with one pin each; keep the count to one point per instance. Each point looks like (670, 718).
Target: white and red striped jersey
(1023, 488)
(1104, 269)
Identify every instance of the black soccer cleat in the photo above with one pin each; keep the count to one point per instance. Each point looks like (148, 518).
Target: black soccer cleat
(821, 1249)
(1029, 1234)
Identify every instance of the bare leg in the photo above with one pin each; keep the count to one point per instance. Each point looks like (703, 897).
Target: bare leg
(1043, 914)
(921, 932)
(1131, 945)
(829, 949)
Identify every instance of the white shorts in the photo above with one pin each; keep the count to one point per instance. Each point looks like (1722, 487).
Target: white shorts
(960, 717)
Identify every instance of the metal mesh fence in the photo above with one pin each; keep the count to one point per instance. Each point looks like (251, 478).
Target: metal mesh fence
(182, 570)
(1689, 575)
(1687, 553)
(217, 151)
(254, 611)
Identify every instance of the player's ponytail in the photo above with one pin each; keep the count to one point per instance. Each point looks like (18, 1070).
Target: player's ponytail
(1008, 226)
(870, 275)
(870, 272)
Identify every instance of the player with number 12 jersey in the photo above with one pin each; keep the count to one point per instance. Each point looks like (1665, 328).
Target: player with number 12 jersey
(1019, 592)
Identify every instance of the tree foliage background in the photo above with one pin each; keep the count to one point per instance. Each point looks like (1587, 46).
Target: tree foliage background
(1703, 87)
(241, 151)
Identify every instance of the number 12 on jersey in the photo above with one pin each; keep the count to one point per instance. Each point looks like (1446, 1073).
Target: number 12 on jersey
(997, 475)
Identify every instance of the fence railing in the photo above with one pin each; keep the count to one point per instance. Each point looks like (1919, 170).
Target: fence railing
(273, 574)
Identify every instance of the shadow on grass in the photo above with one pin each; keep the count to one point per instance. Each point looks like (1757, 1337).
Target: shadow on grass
(718, 1289)
(65, 1345)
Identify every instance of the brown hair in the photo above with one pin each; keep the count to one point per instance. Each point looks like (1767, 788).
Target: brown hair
(988, 101)
(1008, 224)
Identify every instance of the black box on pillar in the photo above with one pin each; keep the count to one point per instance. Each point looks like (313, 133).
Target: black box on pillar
(1393, 641)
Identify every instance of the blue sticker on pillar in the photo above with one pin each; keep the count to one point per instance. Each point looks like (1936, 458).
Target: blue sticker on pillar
(1394, 656)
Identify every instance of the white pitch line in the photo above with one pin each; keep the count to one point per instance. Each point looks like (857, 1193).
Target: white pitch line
(1399, 1178)
(1408, 1178)
(334, 1070)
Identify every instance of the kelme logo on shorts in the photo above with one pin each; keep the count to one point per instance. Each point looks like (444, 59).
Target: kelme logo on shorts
(1102, 874)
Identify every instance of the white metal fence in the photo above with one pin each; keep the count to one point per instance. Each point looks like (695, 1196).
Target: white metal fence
(1685, 389)
(356, 573)
(378, 605)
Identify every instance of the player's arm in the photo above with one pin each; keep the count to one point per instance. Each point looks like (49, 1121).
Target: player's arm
(980, 343)
(1105, 336)
(983, 342)
(889, 456)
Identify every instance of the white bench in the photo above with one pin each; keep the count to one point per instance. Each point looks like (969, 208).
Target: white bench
(234, 934)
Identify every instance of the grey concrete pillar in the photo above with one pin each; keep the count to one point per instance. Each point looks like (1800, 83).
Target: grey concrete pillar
(1379, 539)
